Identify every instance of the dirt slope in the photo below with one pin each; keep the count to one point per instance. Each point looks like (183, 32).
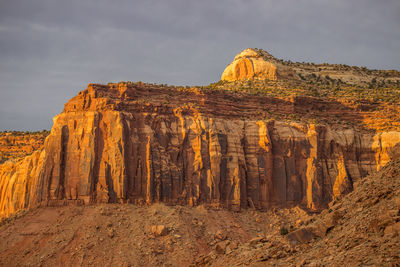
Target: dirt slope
(121, 235)
(362, 229)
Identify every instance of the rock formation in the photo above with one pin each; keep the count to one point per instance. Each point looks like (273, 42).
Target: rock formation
(136, 143)
(16, 144)
(257, 64)
(250, 64)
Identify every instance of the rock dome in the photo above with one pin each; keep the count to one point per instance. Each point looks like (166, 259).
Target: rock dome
(250, 64)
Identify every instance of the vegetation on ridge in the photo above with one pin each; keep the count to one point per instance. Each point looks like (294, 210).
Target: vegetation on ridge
(382, 103)
(18, 144)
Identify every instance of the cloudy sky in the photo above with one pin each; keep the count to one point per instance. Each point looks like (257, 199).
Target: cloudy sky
(50, 50)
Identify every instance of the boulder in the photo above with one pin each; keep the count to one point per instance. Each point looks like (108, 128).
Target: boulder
(159, 230)
(397, 201)
(220, 248)
(301, 236)
(220, 235)
(321, 227)
(254, 241)
(392, 230)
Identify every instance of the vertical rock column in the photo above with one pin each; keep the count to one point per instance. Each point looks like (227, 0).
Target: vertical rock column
(313, 173)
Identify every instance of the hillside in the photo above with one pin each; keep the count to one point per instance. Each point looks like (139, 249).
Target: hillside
(362, 228)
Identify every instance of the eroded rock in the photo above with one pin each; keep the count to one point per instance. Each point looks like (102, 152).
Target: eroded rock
(301, 236)
(108, 147)
(392, 230)
(249, 64)
(159, 230)
(221, 247)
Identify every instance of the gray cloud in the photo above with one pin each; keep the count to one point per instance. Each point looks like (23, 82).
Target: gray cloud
(50, 50)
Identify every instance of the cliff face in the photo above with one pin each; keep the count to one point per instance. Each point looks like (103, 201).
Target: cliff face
(142, 144)
(20, 187)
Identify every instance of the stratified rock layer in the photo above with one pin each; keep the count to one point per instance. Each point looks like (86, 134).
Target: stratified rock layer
(112, 145)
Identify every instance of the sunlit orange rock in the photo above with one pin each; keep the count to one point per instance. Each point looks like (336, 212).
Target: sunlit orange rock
(249, 64)
(112, 145)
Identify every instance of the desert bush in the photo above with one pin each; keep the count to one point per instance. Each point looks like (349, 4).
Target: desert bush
(284, 230)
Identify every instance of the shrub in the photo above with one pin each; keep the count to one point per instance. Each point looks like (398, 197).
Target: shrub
(284, 230)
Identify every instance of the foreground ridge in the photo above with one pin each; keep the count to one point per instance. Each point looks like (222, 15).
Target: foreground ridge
(361, 228)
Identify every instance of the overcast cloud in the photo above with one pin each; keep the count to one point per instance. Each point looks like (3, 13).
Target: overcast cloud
(50, 50)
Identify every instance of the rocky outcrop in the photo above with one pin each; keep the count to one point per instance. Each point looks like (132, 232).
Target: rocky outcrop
(20, 187)
(250, 64)
(130, 143)
(16, 144)
(257, 64)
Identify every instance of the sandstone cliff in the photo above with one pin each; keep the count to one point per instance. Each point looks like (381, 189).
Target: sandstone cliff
(137, 143)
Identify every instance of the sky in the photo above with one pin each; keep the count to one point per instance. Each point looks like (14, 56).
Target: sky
(51, 49)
